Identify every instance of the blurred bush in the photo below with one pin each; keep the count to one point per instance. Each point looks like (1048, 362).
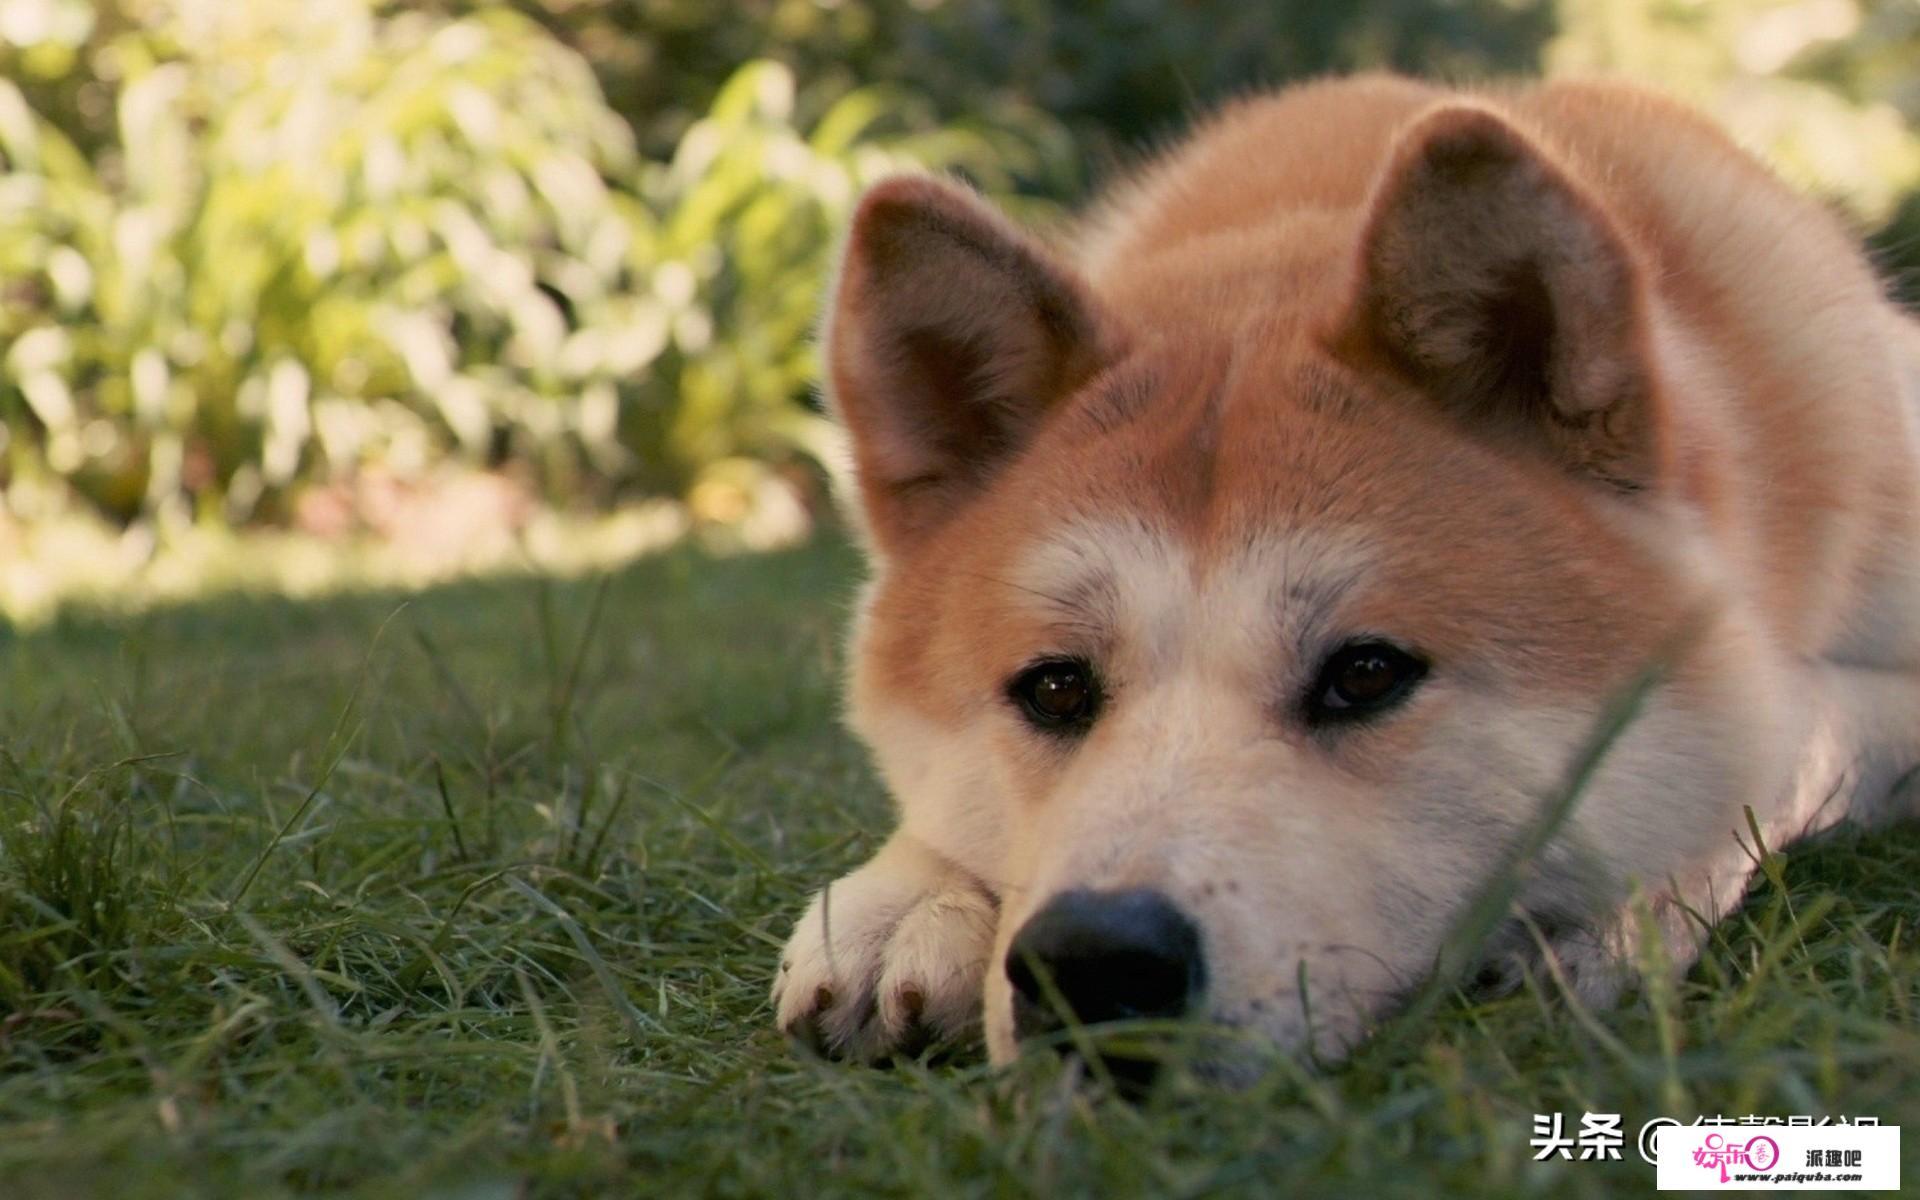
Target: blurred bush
(246, 245)
(1114, 74)
(250, 248)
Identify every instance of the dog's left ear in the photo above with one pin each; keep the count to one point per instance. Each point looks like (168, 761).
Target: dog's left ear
(1498, 285)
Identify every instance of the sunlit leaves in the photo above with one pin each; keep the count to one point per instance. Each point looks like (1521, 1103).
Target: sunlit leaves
(308, 209)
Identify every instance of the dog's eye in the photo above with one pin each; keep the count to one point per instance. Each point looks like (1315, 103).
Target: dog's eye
(1361, 679)
(1056, 694)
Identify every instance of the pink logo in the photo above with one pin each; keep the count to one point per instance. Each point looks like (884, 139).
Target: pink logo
(1760, 1153)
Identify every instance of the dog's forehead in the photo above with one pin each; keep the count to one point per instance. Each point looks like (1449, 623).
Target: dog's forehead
(1224, 489)
(1256, 504)
(1144, 584)
(1229, 440)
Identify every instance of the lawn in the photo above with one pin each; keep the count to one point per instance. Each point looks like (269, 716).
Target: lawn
(477, 893)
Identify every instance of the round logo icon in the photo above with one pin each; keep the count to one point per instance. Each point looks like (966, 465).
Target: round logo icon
(1648, 1134)
(1762, 1152)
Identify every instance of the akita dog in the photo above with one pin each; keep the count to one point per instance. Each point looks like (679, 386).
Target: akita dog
(1245, 582)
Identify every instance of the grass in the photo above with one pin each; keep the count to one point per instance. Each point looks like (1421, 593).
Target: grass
(477, 894)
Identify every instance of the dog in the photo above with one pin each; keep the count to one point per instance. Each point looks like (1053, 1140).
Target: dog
(1250, 577)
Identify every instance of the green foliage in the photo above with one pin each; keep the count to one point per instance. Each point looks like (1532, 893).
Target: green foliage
(69, 890)
(317, 233)
(1114, 73)
(316, 237)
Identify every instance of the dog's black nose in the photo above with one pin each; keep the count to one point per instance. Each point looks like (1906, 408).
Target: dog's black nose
(1108, 955)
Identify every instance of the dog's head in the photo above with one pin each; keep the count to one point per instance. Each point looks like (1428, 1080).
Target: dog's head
(1235, 611)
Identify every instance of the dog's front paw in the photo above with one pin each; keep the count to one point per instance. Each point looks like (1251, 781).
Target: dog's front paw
(889, 959)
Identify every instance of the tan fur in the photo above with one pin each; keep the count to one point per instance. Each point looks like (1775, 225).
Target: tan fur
(1533, 379)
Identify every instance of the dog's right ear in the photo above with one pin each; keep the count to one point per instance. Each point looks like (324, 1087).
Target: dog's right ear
(951, 337)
